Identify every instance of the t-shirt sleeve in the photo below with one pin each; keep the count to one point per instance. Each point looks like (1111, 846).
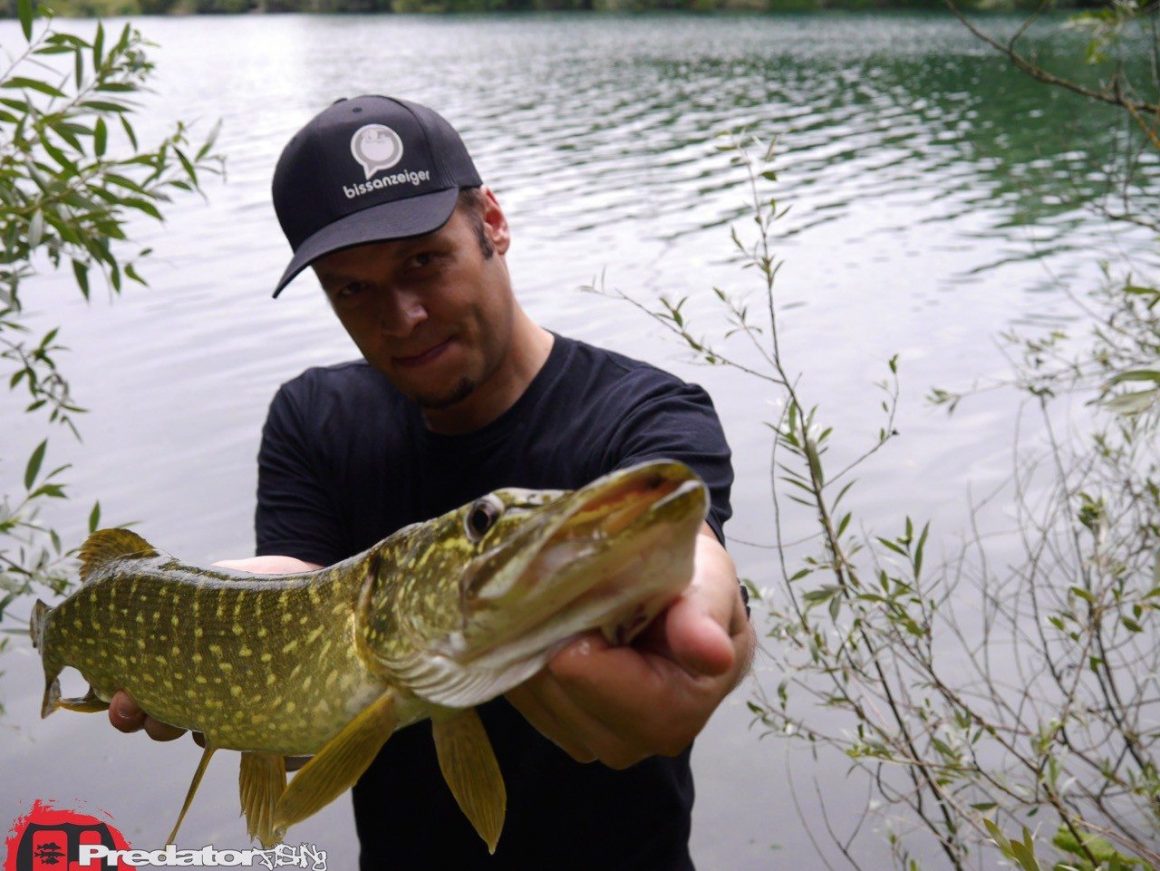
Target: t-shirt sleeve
(296, 515)
(663, 417)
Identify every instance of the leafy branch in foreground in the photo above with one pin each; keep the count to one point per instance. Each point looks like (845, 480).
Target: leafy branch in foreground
(970, 700)
(73, 175)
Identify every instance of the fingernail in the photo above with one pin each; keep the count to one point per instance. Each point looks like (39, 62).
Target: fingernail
(123, 712)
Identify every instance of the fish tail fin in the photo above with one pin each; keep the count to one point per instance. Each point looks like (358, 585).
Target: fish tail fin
(51, 692)
(37, 627)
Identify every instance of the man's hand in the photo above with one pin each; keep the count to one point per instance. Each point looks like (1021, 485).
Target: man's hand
(620, 705)
(124, 712)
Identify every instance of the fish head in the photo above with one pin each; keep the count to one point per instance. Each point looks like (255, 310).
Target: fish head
(485, 594)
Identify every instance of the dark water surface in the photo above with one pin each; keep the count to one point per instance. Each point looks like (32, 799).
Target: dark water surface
(936, 199)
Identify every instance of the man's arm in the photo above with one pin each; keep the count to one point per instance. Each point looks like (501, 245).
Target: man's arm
(620, 705)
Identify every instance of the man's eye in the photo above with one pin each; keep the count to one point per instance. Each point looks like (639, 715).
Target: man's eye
(349, 291)
(421, 260)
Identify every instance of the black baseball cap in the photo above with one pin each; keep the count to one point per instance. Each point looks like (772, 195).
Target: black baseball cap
(367, 169)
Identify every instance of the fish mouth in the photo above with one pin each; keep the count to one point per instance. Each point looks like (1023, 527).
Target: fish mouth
(612, 511)
(607, 556)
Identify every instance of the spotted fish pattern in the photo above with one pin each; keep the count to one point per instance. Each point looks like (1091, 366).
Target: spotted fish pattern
(431, 621)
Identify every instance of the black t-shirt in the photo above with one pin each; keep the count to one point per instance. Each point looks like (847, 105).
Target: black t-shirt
(346, 460)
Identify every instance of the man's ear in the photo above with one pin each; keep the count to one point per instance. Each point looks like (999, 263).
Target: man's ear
(495, 222)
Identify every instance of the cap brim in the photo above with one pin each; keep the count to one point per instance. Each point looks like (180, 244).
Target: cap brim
(400, 219)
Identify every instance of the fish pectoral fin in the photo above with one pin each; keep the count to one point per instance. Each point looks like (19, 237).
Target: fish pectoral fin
(472, 772)
(89, 703)
(261, 782)
(340, 762)
(194, 784)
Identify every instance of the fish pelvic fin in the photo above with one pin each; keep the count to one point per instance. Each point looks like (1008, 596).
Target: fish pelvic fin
(194, 784)
(261, 781)
(89, 703)
(340, 762)
(106, 545)
(472, 772)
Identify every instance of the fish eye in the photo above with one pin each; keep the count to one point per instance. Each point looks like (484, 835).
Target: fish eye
(481, 516)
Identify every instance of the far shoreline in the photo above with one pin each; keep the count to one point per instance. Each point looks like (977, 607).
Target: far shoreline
(83, 9)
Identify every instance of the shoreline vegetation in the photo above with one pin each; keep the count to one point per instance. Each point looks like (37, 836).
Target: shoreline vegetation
(110, 8)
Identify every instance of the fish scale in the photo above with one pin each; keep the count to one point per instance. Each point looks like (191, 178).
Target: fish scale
(194, 650)
(433, 620)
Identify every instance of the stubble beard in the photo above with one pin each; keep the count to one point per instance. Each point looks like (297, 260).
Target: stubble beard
(463, 389)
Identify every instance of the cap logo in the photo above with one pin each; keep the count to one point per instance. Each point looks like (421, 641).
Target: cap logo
(376, 147)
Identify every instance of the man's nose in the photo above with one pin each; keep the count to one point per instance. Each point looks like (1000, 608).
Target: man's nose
(400, 311)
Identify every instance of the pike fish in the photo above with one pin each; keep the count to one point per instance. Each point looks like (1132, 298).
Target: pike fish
(433, 620)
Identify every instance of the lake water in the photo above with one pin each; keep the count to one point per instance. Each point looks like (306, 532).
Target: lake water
(937, 196)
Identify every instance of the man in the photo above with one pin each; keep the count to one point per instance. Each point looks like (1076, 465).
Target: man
(460, 393)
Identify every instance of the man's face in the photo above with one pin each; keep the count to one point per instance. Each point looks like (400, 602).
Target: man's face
(432, 313)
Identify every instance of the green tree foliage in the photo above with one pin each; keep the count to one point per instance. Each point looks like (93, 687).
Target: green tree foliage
(72, 176)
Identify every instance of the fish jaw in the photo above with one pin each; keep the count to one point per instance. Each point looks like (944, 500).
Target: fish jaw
(609, 556)
(616, 584)
(617, 543)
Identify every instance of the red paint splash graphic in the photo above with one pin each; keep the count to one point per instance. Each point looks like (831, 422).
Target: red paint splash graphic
(48, 839)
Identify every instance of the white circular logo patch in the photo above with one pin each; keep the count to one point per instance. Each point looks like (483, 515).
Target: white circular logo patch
(376, 147)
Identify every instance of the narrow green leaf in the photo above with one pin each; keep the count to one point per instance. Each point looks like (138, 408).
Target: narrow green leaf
(822, 594)
(100, 137)
(192, 173)
(81, 274)
(918, 549)
(106, 106)
(25, 83)
(843, 523)
(129, 132)
(212, 138)
(1137, 375)
(33, 467)
(123, 181)
(1083, 594)
(890, 545)
(142, 206)
(26, 12)
(132, 274)
(95, 517)
(99, 47)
